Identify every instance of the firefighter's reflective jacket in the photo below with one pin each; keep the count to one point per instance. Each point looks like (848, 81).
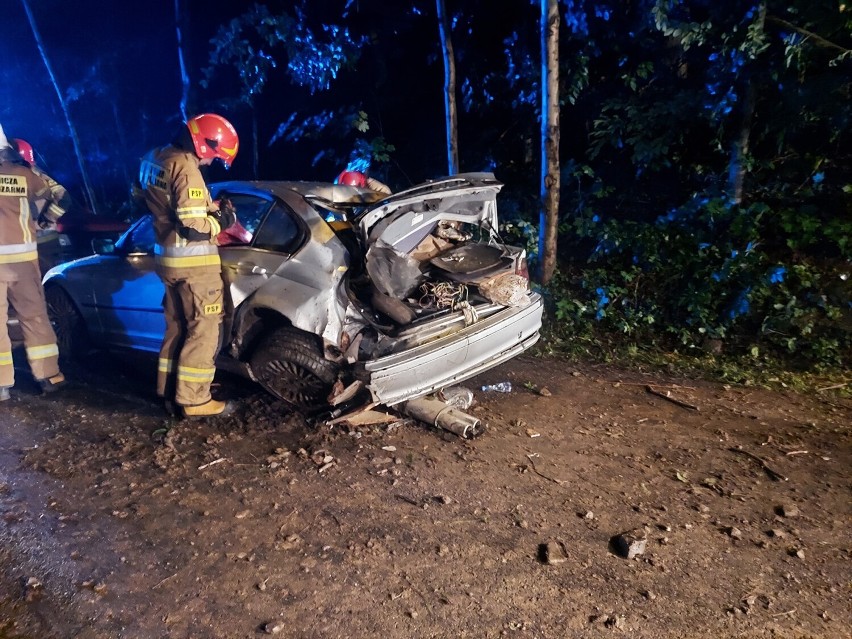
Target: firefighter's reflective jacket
(26, 194)
(178, 198)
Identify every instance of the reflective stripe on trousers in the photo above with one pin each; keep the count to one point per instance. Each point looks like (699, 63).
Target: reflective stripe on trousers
(20, 285)
(193, 311)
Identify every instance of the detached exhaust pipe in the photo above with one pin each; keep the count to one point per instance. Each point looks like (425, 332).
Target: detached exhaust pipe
(437, 413)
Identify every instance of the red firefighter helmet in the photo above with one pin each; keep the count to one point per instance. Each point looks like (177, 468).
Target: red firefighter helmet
(214, 137)
(25, 149)
(352, 178)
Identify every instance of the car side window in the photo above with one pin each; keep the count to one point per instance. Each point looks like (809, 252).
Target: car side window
(280, 232)
(250, 210)
(140, 238)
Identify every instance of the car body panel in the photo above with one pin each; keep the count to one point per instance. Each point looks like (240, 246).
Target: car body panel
(303, 286)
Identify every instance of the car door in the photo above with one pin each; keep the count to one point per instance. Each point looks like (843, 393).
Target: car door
(129, 293)
(256, 245)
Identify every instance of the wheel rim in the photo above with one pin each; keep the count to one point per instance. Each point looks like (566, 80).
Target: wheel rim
(62, 317)
(293, 383)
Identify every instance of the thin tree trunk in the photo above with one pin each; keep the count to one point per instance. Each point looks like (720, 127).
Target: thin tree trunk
(180, 15)
(72, 130)
(255, 154)
(449, 89)
(739, 148)
(550, 182)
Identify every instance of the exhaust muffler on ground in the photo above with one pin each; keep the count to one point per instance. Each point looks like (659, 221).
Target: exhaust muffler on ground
(432, 410)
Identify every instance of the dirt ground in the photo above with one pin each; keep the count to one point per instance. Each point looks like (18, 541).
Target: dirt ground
(116, 521)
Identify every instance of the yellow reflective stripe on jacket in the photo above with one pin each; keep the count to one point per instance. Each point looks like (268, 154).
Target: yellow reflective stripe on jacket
(187, 256)
(198, 375)
(6, 358)
(14, 253)
(191, 212)
(166, 365)
(54, 211)
(42, 352)
(25, 221)
(185, 250)
(215, 227)
(19, 257)
(188, 261)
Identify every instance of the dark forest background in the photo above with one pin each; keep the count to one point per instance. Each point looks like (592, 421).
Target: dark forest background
(706, 202)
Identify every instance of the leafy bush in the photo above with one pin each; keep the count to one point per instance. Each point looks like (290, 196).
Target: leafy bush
(708, 276)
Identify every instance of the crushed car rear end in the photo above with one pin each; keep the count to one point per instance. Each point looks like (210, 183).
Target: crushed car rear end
(446, 298)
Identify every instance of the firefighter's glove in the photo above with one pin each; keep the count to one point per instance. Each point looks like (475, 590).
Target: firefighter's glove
(44, 222)
(226, 215)
(190, 234)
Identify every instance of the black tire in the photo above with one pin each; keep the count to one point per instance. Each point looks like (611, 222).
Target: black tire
(71, 335)
(290, 365)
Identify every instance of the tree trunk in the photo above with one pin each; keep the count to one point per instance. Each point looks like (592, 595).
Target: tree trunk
(739, 148)
(449, 89)
(550, 182)
(90, 196)
(254, 147)
(180, 21)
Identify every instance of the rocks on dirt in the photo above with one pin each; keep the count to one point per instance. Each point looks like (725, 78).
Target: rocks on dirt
(787, 509)
(273, 627)
(733, 532)
(553, 553)
(613, 622)
(630, 544)
(796, 552)
(33, 589)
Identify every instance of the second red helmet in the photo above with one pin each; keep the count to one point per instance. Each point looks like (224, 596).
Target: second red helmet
(25, 149)
(214, 137)
(352, 178)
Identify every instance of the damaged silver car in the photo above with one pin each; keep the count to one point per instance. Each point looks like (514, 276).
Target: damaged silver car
(333, 292)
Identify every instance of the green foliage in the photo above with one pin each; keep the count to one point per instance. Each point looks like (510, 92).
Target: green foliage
(656, 256)
(254, 43)
(702, 277)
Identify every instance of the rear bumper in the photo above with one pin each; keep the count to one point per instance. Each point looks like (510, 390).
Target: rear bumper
(450, 359)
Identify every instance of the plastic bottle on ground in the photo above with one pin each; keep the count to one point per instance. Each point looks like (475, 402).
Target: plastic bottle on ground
(502, 387)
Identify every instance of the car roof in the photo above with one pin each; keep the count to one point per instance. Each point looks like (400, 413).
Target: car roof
(343, 195)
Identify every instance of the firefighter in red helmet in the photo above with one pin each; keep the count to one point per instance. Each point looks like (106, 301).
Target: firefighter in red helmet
(49, 243)
(186, 224)
(25, 189)
(25, 149)
(361, 180)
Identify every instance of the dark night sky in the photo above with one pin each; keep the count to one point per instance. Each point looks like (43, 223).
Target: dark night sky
(123, 58)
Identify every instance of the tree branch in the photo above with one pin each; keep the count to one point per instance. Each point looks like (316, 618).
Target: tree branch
(818, 39)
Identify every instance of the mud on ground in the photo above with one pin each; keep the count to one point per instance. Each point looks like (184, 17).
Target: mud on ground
(116, 521)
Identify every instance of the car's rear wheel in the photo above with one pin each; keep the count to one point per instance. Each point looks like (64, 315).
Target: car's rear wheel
(289, 364)
(71, 335)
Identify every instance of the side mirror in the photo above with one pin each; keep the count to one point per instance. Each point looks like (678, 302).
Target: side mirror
(103, 246)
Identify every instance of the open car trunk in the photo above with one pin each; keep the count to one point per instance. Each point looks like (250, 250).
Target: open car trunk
(435, 249)
(447, 299)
